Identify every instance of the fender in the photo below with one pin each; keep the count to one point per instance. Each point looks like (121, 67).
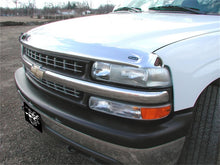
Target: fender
(194, 64)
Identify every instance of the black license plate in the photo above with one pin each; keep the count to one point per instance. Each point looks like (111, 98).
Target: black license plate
(32, 117)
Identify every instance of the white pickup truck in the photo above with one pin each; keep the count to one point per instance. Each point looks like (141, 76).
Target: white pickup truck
(139, 85)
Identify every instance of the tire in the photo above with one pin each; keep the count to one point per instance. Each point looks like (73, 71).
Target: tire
(203, 140)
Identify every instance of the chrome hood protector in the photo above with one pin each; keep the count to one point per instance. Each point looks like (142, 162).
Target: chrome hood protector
(119, 37)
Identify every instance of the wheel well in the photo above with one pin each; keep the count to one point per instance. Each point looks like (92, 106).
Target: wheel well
(216, 82)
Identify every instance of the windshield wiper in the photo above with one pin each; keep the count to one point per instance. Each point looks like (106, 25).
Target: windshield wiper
(132, 9)
(177, 8)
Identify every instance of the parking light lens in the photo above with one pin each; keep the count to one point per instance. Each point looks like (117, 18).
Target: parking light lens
(129, 111)
(155, 113)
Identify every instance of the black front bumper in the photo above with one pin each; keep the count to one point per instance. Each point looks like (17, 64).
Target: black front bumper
(120, 131)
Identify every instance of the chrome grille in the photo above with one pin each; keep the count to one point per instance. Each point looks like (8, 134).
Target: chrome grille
(60, 64)
(57, 87)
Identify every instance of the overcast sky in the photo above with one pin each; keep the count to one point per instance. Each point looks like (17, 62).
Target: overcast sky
(41, 3)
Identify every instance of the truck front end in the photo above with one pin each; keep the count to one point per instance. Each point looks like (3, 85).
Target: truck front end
(103, 88)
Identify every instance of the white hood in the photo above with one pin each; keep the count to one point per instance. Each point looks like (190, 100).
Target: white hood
(120, 34)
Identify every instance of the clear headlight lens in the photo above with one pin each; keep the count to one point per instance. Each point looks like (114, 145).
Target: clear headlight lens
(140, 77)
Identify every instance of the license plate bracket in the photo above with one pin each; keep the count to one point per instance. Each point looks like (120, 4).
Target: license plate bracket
(32, 117)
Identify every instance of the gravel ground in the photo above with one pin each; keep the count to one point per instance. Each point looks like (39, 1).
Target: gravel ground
(19, 142)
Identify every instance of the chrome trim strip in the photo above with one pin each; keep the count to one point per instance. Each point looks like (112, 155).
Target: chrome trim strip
(104, 90)
(111, 92)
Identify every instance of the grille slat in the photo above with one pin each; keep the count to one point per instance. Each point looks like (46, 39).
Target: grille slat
(62, 64)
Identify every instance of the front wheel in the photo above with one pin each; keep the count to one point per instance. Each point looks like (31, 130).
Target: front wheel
(203, 140)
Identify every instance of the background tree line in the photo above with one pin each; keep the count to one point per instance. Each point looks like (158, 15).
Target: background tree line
(29, 9)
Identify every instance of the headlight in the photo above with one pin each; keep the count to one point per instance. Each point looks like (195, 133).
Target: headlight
(140, 77)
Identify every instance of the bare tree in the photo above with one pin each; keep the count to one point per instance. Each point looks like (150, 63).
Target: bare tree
(16, 3)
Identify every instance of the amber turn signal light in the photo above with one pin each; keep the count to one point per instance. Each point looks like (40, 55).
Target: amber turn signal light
(155, 113)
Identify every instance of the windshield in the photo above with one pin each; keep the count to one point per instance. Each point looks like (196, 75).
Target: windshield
(192, 6)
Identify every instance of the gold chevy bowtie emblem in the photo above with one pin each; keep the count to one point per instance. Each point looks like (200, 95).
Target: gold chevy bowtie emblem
(37, 72)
